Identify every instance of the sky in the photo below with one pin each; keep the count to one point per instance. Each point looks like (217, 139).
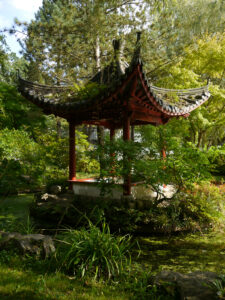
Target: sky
(23, 10)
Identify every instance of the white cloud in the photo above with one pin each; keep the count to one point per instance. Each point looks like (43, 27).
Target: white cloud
(29, 6)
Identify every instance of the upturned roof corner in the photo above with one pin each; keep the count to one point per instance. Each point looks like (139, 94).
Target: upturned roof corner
(126, 87)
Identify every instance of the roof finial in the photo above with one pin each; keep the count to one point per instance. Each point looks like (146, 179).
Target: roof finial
(137, 52)
(138, 36)
(116, 44)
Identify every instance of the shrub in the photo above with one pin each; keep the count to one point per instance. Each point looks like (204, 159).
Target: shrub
(93, 252)
(201, 207)
(21, 162)
(216, 156)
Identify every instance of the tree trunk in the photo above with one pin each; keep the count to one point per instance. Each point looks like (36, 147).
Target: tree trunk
(97, 54)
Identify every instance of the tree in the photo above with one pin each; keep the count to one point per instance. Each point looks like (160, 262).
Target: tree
(3, 58)
(176, 26)
(9, 63)
(203, 61)
(75, 36)
(72, 38)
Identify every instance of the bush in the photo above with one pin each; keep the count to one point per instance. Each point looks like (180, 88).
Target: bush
(200, 208)
(93, 252)
(216, 156)
(21, 161)
(184, 165)
(206, 202)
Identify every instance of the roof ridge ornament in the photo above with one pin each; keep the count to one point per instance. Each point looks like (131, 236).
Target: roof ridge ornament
(118, 46)
(139, 33)
(137, 51)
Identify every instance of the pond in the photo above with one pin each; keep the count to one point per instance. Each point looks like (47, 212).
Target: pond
(184, 253)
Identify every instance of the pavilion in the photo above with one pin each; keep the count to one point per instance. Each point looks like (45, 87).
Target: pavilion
(128, 99)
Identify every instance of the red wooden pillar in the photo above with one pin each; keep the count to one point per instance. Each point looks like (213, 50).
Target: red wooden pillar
(126, 137)
(72, 153)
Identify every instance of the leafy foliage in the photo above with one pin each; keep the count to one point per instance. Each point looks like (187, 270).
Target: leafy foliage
(94, 252)
(184, 165)
(16, 112)
(21, 161)
(202, 61)
(216, 156)
(30, 164)
(87, 91)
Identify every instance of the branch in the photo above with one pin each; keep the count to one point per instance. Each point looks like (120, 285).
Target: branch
(13, 31)
(121, 5)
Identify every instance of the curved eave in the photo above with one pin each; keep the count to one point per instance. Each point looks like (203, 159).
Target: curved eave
(80, 110)
(76, 107)
(38, 95)
(168, 110)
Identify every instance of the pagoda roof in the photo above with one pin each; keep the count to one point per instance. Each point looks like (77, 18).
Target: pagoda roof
(126, 90)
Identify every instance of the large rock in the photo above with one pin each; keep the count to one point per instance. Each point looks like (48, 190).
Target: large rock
(37, 244)
(52, 198)
(192, 286)
(55, 189)
(40, 197)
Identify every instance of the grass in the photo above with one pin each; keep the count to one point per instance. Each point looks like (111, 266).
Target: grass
(17, 204)
(26, 278)
(14, 211)
(27, 285)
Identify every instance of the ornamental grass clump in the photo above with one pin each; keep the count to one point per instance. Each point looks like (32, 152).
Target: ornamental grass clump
(94, 252)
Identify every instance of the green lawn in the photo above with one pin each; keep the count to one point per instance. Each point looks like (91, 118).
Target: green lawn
(14, 212)
(18, 284)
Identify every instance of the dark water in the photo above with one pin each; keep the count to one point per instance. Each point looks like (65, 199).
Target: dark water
(204, 252)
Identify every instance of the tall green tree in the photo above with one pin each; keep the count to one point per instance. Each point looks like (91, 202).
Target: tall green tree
(204, 61)
(71, 39)
(74, 38)
(176, 25)
(3, 59)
